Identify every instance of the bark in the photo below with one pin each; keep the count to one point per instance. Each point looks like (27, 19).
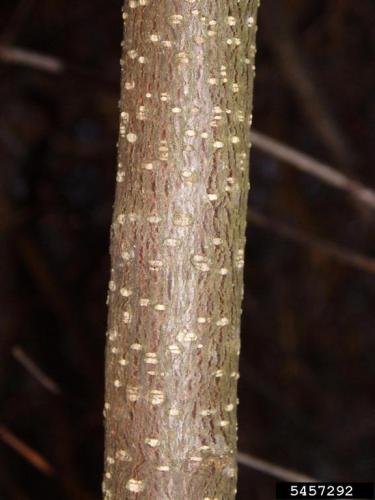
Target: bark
(177, 249)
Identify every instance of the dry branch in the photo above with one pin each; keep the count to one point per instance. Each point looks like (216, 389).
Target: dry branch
(341, 254)
(34, 458)
(325, 173)
(298, 76)
(36, 60)
(29, 365)
(271, 469)
(30, 455)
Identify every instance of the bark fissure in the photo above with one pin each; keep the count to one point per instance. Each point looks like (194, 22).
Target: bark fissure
(177, 249)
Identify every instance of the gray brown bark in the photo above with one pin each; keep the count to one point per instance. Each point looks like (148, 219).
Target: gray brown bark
(177, 249)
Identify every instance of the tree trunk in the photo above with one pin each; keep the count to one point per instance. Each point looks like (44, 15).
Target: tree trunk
(177, 249)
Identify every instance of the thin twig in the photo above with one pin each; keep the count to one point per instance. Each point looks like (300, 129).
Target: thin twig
(71, 487)
(283, 43)
(15, 55)
(341, 254)
(271, 469)
(53, 65)
(29, 365)
(32, 456)
(60, 303)
(311, 166)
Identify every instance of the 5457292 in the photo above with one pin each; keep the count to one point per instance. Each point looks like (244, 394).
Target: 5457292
(325, 490)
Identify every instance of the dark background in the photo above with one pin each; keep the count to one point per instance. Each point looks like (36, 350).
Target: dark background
(307, 379)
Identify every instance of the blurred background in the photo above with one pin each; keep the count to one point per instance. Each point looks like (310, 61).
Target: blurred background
(308, 343)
